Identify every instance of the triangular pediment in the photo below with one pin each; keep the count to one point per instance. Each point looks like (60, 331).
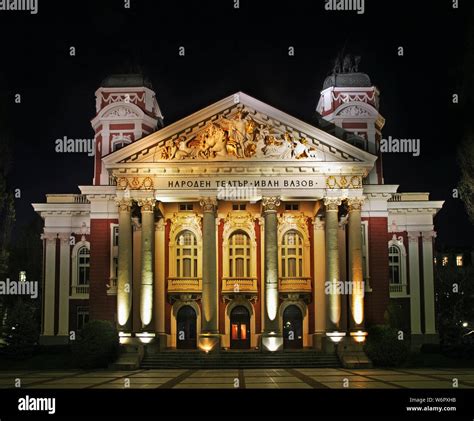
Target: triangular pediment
(235, 129)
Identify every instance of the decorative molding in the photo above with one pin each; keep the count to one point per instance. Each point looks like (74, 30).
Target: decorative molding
(181, 222)
(297, 222)
(344, 182)
(208, 204)
(318, 223)
(270, 204)
(332, 203)
(134, 183)
(49, 237)
(160, 224)
(124, 205)
(413, 236)
(121, 112)
(355, 203)
(238, 221)
(147, 204)
(353, 111)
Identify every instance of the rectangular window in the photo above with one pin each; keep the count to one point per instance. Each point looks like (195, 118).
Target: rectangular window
(445, 261)
(185, 207)
(239, 206)
(459, 260)
(292, 206)
(82, 317)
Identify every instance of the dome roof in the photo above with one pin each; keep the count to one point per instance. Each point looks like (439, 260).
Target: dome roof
(126, 81)
(353, 80)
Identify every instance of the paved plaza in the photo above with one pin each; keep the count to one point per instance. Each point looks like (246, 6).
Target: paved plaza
(278, 378)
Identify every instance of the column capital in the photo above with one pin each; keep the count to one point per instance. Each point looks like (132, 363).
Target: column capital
(64, 237)
(413, 236)
(160, 225)
(147, 204)
(318, 223)
(355, 203)
(49, 236)
(428, 236)
(124, 204)
(270, 204)
(208, 204)
(332, 203)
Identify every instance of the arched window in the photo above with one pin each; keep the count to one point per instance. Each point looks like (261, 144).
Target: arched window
(394, 264)
(118, 142)
(83, 266)
(186, 255)
(239, 255)
(292, 255)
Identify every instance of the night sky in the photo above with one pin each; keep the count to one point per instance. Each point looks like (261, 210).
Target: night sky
(230, 50)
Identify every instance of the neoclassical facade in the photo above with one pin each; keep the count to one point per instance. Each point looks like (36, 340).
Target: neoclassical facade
(237, 227)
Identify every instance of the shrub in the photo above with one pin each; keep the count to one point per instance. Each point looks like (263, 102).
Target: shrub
(20, 332)
(384, 348)
(97, 345)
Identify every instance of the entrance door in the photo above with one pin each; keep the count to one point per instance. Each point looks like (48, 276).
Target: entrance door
(186, 328)
(239, 328)
(292, 328)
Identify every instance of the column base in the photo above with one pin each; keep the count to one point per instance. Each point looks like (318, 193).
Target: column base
(352, 354)
(318, 341)
(271, 342)
(417, 340)
(209, 342)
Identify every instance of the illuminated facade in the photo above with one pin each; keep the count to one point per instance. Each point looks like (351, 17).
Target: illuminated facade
(238, 226)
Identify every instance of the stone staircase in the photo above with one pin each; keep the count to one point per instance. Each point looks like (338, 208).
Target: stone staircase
(239, 359)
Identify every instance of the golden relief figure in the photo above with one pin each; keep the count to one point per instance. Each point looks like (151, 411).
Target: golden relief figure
(238, 136)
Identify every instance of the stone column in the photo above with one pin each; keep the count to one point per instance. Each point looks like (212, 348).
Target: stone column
(272, 339)
(428, 282)
(415, 301)
(147, 262)
(356, 274)
(49, 281)
(160, 290)
(209, 340)
(333, 291)
(319, 297)
(64, 285)
(124, 282)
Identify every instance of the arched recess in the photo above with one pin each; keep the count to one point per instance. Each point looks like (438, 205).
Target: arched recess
(304, 311)
(249, 306)
(398, 243)
(180, 223)
(298, 223)
(75, 266)
(174, 313)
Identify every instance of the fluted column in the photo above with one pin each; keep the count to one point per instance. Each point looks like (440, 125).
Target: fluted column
(319, 298)
(49, 280)
(428, 282)
(356, 275)
(147, 262)
(333, 303)
(209, 339)
(124, 282)
(414, 264)
(272, 339)
(64, 269)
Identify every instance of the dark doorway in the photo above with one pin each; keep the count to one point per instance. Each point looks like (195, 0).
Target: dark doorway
(239, 328)
(186, 328)
(292, 328)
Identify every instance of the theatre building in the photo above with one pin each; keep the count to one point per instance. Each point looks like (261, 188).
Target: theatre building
(237, 227)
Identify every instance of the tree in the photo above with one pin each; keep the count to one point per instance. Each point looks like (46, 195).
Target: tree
(466, 184)
(20, 331)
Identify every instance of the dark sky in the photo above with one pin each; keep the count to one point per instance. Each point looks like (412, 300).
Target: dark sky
(229, 50)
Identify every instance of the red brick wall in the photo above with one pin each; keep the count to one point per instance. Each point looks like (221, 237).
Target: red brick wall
(377, 300)
(101, 305)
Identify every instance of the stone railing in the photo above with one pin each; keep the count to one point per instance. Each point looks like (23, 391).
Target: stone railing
(239, 284)
(398, 289)
(294, 284)
(79, 290)
(184, 285)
